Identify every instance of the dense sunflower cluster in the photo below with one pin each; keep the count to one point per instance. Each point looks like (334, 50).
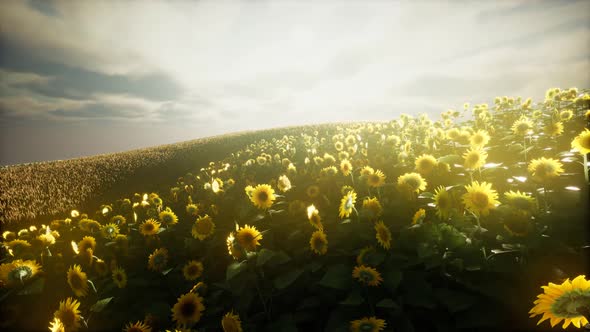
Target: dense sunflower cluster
(372, 223)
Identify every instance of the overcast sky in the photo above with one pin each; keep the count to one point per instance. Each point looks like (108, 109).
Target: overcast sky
(87, 77)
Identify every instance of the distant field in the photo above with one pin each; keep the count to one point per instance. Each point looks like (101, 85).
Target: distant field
(40, 191)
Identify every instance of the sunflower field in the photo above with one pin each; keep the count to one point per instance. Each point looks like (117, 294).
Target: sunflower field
(473, 222)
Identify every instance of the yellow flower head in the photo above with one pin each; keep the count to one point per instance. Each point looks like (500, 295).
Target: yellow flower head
(284, 184)
(248, 237)
(78, 281)
(137, 327)
(368, 324)
(203, 227)
(192, 270)
(120, 277)
(367, 275)
(56, 325)
(347, 204)
(425, 164)
(168, 218)
(566, 115)
(411, 182)
(582, 142)
(554, 128)
(158, 260)
(312, 191)
(88, 242)
(233, 247)
(479, 139)
(68, 314)
(544, 169)
(561, 302)
(149, 227)
(480, 198)
(18, 272)
(376, 179)
(231, 322)
(383, 235)
(188, 309)
(367, 170)
(418, 216)
(319, 242)
(475, 158)
(373, 207)
(263, 196)
(110, 231)
(192, 209)
(313, 215)
(522, 126)
(443, 202)
(345, 167)
(520, 200)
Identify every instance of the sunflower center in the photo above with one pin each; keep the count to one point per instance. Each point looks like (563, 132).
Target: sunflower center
(567, 304)
(68, 318)
(135, 329)
(383, 235)
(443, 202)
(159, 259)
(119, 277)
(480, 199)
(76, 281)
(262, 196)
(348, 205)
(585, 141)
(412, 183)
(366, 327)
(20, 273)
(203, 227)
(193, 269)
(473, 158)
(188, 309)
(149, 227)
(366, 276)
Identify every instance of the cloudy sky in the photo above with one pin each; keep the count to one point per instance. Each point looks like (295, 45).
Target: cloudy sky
(87, 77)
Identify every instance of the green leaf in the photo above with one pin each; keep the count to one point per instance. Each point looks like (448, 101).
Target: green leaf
(387, 304)
(451, 159)
(454, 301)
(337, 276)
(264, 256)
(315, 266)
(234, 269)
(353, 298)
(391, 279)
(165, 272)
(286, 279)
(36, 287)
(101, 304)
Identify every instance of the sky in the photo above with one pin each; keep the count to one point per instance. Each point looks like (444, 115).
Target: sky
(80, 78)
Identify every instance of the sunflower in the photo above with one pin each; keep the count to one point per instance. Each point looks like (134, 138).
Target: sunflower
(248, 237)
(231, 322)
(443, 202)
(383, 235)
(566, 115)
(364, 254)
(373, 207)
(517, 222)
(68, 314)
(109, 231)
(78, 281)
(137, 327)
(312, 191)
(418, 216)
(563, 302)
(338, 146)
(188, 309)
(544, 169)
(87, 242)
(89, 225)
(329, 171)
(367, 275)
(233, 247)
(554, 128)
(347, 204)
(479, 139)
(9, 236)
(101, 267)
(319, 242)
(345, 167)
(149, 227)
(376, 179)
(368, 324)
(56, 325)
(192, 270)
(18, 246)
(313, 215)
(192, 209)
(168, 218)
(411, 182)
(262, 196)
(203, 227)
(350, 140)
(480, 198)
(520, 200)
(158, 259)
(118, 220)
(284, 184)
(120, 277)
(366, 171)
(18, 272)
(296, 207)
(522, 126)
(425, 164)
(582, 142)
(475, 158)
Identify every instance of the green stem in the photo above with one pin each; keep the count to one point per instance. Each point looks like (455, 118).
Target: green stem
(525, 156)
(369, 302)
(262, 298)
(586, 168)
